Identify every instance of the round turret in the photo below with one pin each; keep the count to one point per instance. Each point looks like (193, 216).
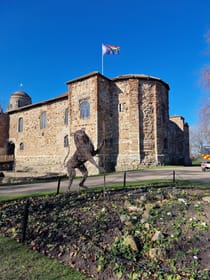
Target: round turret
(19, 99)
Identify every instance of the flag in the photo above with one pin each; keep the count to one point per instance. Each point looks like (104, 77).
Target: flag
(109, 49)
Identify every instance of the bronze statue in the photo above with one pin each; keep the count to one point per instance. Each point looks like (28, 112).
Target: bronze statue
(84, 152)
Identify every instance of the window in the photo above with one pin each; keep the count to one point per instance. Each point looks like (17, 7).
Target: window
(21, 146)
(20, 103)
(43, 120)
(66, 141)
(84, 109)
(120, 107)
(66, 117)
(20, 124)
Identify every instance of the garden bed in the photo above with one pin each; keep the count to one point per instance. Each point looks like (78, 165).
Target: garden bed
(158, 232)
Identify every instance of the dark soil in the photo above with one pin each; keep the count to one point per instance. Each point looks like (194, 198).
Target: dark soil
(158, 232)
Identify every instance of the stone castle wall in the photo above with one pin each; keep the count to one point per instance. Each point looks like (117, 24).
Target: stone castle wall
(143, 122)
(127, 109)
(131, 113)
(161, 123)
(43, 148)
(96, 90)
(4, 133)
(179, 141)
(128, 113)
(105, 120)
(147, 122)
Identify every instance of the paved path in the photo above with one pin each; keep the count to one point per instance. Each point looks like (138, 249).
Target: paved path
(193, 174)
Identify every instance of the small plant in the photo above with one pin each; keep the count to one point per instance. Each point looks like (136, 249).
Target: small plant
(14, 232)
(180, 254)
(197, 224)
(198, 208)
(119, 269)
(120, 249)
(203, 275)
(193, 250)
(102, 262)
(133, 276)
(172, 264)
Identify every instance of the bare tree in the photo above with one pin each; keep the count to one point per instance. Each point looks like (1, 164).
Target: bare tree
(205, 121)
(200, 134)
(197, 141)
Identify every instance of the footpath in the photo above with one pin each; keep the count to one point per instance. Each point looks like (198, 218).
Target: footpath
(192, 174)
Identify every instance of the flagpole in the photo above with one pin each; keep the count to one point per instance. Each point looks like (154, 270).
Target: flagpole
(102, 64)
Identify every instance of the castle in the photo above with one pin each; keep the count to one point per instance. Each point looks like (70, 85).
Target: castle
(131, 112)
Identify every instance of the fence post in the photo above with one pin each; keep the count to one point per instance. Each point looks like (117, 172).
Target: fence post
(104, 183)
(124, 180)
(58, 187)
(25, 221)
(174, 177)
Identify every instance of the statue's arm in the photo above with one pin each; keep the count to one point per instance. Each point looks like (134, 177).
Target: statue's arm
(97, 151)
(101, 169)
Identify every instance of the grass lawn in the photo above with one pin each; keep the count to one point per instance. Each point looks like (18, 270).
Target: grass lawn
(20, 263)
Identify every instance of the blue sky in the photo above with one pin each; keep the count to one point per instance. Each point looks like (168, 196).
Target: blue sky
(45, 43)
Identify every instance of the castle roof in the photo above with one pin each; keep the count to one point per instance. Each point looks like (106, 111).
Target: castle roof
(86, 76)
(121, 77)
(45, 102)
(20, 93)
(139, 76)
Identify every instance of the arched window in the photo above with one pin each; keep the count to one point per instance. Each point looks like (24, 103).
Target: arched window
(20, 124)
(84, 109)
(66, 117)
(66, 141)
(43, 120)
(21, 146)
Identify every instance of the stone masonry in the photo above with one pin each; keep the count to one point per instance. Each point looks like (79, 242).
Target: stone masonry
(129, 112)
(43, 149)
(4, 134)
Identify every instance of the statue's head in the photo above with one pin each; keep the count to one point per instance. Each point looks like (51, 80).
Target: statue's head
(82, 141)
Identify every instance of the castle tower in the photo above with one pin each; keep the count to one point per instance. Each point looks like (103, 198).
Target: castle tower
(129, 111)
(19, 99)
